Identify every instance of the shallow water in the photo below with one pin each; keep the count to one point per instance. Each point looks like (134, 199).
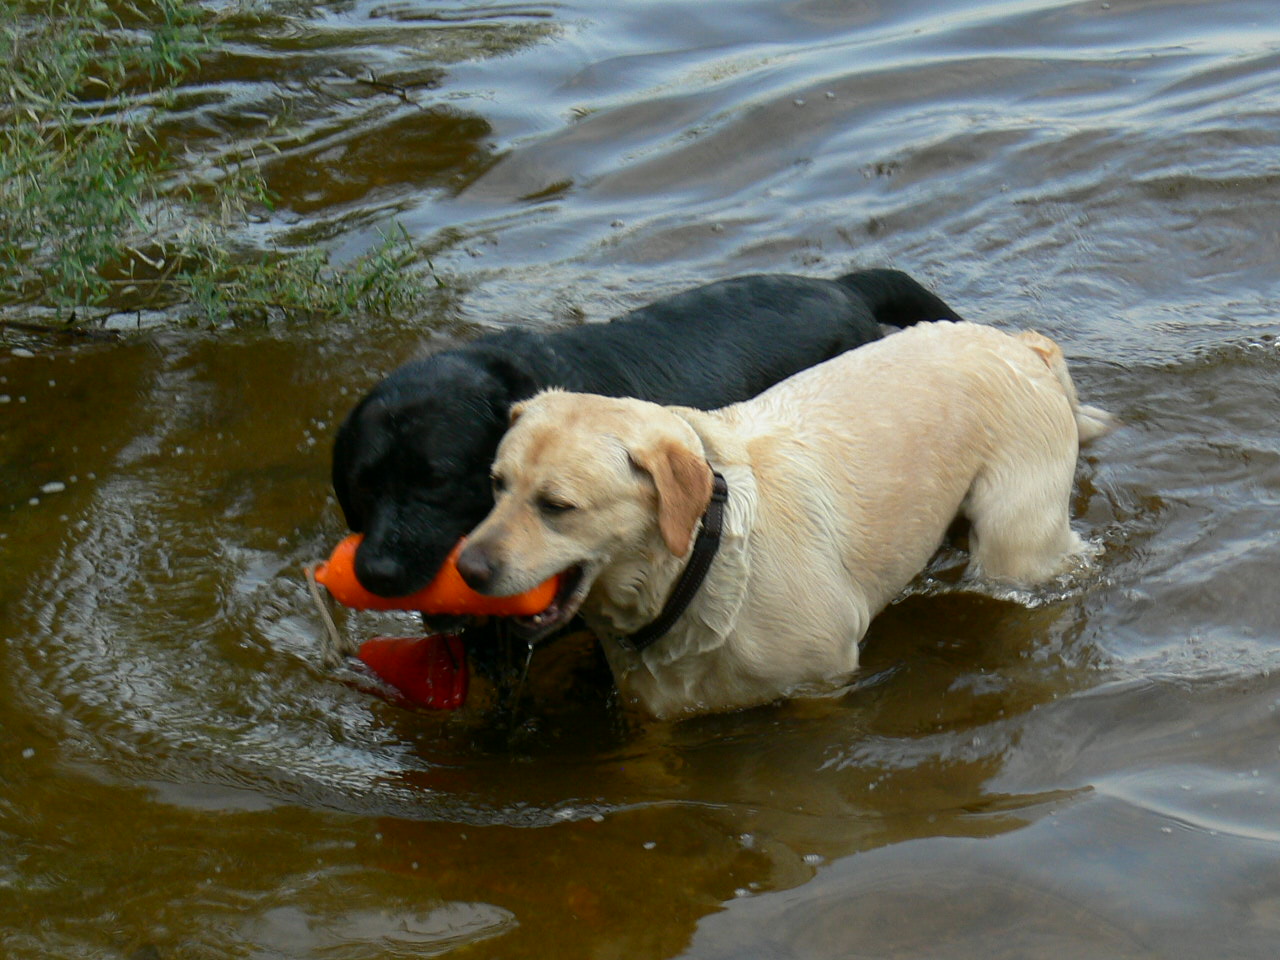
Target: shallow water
(1092, 775)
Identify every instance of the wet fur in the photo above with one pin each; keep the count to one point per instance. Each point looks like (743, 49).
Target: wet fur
(842, 480)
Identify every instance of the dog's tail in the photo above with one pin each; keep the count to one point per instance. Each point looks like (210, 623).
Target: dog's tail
(1091, 422)
(895, 299)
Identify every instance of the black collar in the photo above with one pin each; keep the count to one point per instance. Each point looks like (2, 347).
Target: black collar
(695, 571)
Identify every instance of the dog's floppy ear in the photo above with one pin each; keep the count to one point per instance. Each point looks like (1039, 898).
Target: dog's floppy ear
(683, 481)
(514, 413)
(515, 382)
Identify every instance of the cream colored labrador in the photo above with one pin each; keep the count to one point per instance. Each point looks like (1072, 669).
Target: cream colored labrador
(842, 483)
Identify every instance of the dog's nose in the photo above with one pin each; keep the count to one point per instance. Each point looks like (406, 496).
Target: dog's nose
(476, 566)
(381, 574)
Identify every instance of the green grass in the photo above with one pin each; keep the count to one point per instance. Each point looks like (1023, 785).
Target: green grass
(96, 219)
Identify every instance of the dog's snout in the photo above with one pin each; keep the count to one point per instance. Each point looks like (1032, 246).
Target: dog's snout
(477, 566)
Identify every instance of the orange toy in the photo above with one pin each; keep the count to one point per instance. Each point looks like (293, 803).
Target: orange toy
(447, 593)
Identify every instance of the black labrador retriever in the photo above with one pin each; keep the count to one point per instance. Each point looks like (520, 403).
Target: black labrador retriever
(411, 461)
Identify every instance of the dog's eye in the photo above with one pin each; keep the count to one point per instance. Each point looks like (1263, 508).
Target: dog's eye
(553, 507)
(499, 484)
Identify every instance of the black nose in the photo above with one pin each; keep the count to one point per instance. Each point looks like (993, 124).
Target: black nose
(477, 567)
(382, 574)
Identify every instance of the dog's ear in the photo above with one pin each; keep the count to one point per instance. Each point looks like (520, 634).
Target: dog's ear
(514, 381)
(683, 480)
(514, 413)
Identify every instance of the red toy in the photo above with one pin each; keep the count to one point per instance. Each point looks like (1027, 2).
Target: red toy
(430, 671)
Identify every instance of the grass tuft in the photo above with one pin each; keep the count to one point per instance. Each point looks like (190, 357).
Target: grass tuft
(94, 216)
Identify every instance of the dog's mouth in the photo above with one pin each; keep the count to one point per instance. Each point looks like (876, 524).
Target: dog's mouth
(433, 671)
(573, 590)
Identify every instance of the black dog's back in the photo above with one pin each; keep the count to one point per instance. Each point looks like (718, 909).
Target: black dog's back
(726, 341)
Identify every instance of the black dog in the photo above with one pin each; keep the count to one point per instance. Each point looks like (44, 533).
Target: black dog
(411, 461)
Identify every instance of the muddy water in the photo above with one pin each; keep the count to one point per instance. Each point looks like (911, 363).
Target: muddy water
(1089, 773)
